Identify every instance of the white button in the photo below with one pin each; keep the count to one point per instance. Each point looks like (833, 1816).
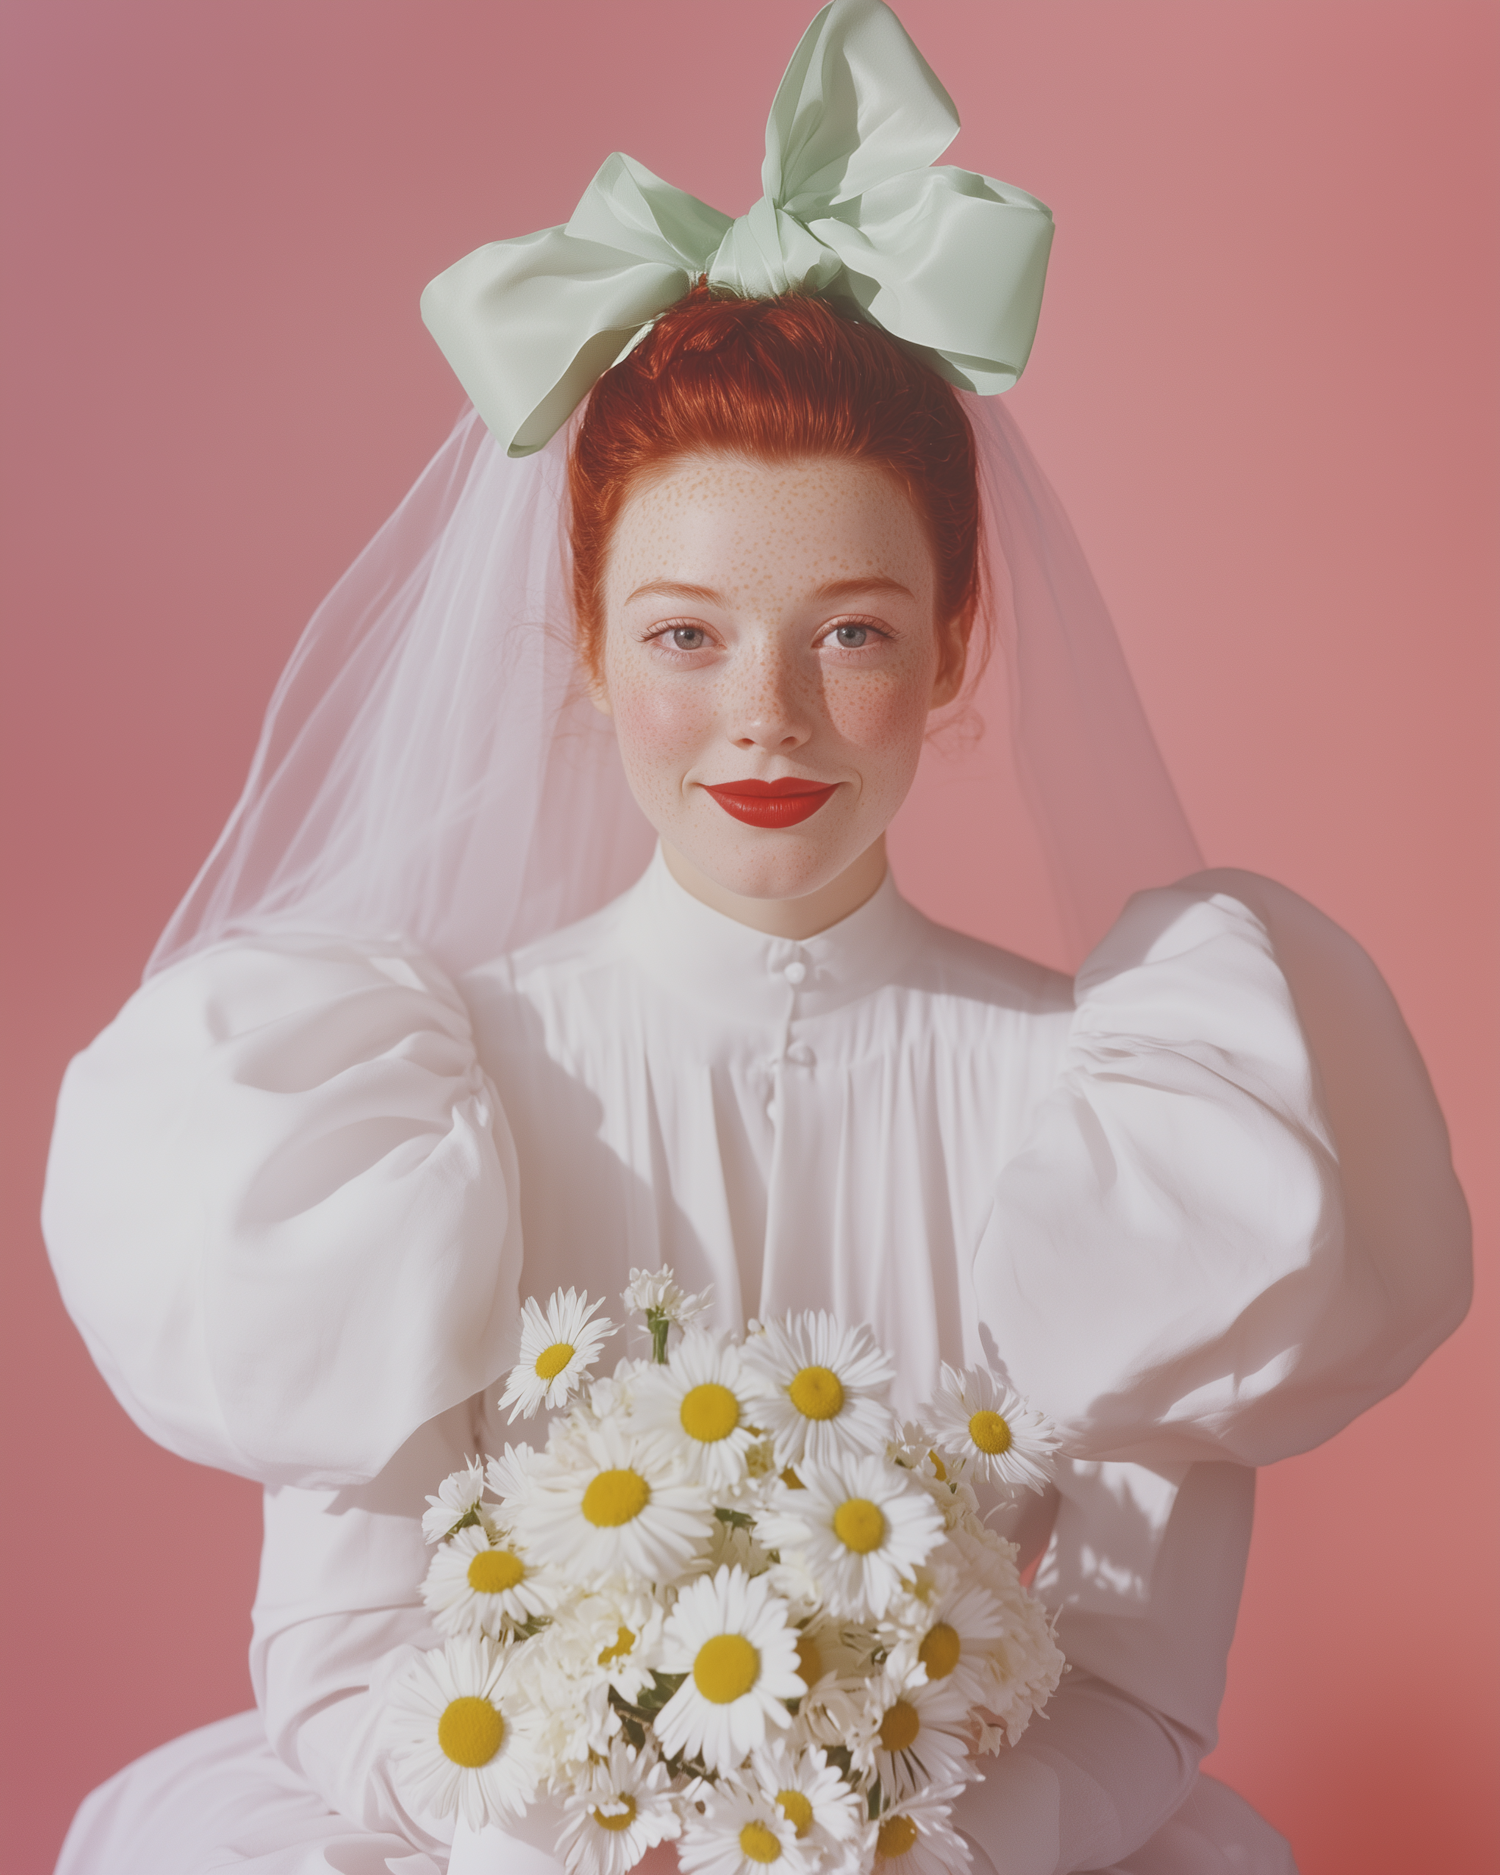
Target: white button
(794, 973)
(801, 1056)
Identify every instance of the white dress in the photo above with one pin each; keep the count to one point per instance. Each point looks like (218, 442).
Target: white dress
(291, 1186)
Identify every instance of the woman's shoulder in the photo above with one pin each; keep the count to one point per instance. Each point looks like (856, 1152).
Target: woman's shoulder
(251, 978)
(951, 963)
(1235, 1222)
(1180, 958)
(1177, 961)
(1187, 965)
(575, 949)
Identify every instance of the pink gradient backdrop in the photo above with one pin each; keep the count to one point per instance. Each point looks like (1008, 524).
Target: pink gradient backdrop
(1265, 385)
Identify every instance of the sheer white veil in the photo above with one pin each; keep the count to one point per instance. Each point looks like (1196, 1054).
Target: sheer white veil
(431, 775)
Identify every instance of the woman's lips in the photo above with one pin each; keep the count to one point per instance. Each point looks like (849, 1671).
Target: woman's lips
(772, 803)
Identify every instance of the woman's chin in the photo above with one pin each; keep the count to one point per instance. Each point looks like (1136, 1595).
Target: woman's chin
(768, 864)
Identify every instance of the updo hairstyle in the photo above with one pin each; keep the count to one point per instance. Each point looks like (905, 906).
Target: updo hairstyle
(774, 380)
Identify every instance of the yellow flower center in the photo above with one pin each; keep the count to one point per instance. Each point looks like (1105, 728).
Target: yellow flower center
(757, 1844)
(796, 1809)
(939, 1469)
(859, 1525)
(470, 1732)
(709, 1413)
(990, 1433)
(551, 1361)
(895, 1836)
(809, 1659)
(493, 1571)
(614, 1497)
(899, 1727)
(617, 1819)
(726, 1668)
(939, 1651)
(624, 1641)
(817, 1393)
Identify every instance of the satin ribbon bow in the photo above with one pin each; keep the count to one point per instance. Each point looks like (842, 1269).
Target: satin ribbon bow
(951, 262)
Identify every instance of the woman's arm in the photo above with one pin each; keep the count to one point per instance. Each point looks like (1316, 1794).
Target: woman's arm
(1118, 1747)
(1234, 1223)
(1403, 1207)
(1233, 1226)
(280, 1205)
(338, 1617)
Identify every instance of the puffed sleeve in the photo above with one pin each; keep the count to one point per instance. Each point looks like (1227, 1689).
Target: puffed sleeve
(280, 1206)
(1235, 1223)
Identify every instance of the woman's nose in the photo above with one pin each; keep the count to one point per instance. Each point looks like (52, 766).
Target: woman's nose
(771, 708)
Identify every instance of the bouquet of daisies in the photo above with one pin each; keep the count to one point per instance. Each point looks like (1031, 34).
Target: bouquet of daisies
(731, 1602)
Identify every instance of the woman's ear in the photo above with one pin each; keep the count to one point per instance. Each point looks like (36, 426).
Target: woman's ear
(953, 658)
(594, 685)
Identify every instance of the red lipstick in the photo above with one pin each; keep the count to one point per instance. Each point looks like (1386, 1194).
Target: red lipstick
(772, 803)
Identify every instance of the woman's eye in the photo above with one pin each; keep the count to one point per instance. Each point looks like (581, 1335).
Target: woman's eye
(851, 637)
(688, 638)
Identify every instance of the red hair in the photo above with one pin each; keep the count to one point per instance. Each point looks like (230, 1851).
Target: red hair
(774, 380)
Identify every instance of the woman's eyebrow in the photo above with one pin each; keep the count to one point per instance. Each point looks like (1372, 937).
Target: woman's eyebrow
(831, 589)
(847, 588)
(674, 589)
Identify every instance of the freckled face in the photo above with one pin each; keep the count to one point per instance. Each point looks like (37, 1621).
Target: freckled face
(765, 622)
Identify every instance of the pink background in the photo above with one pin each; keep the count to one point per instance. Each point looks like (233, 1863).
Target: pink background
(1265, 387)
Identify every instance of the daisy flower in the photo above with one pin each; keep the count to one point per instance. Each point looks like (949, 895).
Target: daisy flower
(819, 1388)
(572, 1721)
(981, 1419)
(696, 1408)
(460, 1735)
(613, 1635)
(951, 1626)
(912, 1447)
(835, 1662)
(480, 1581)
(456, 1503)
(656, 1292)
(827, 1815)
(945, 1474)
(509, 1476)
(611, 1396)
(556, 1350)
(729, 1636)
(611, 1505)
(740, 1832)
(916, 1836)
(921, 1736)
(1026, 1665)
(623, 1809)
(860, 1525)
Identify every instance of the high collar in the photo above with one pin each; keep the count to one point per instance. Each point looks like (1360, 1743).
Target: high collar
(689, 947)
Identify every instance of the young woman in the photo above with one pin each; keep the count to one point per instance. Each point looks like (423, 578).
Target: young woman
(383, 1078)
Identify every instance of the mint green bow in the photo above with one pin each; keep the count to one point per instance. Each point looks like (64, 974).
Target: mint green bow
(949, 261)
